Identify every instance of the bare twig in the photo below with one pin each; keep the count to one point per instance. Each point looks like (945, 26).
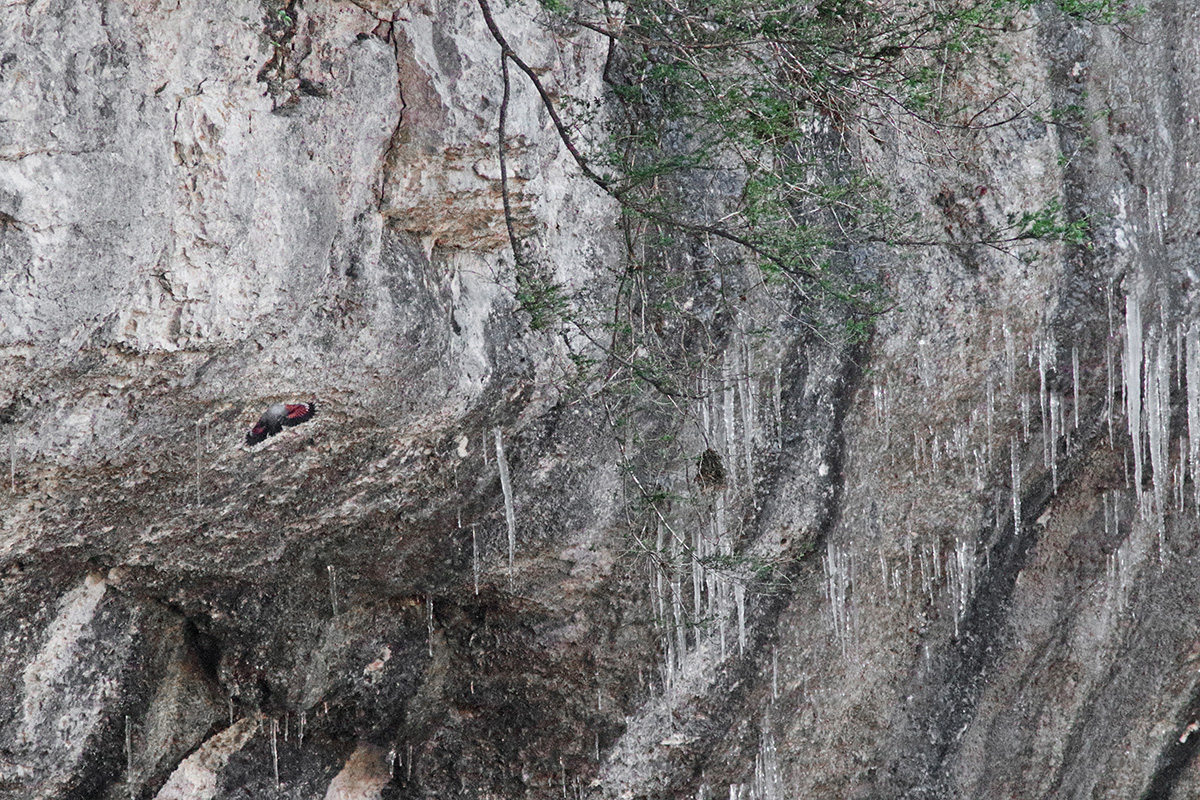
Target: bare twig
(609, 186)
(508, 54)
(501, 146)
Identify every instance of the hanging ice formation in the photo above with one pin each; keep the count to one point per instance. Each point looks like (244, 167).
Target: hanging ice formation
(509, 514)
(962, 579)
(700, 586)
(1132, 374)
(1148, 359)
(839, 570)
(1158, 417)
(1193, 405)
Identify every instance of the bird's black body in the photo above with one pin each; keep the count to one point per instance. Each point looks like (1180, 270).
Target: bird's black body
(279, 416)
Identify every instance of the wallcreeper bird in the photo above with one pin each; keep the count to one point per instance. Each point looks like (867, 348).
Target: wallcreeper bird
(278, 417)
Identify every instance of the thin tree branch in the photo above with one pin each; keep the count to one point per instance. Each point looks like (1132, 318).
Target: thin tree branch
(508, 54)
(501, 146)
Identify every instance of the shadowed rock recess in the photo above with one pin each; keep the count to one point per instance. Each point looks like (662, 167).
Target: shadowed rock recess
(958, 559)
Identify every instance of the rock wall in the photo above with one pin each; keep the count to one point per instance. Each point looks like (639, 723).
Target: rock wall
(954, 561)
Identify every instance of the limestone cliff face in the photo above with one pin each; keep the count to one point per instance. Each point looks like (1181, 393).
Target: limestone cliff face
(980, 526)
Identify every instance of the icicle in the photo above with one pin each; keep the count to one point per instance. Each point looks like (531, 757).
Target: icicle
(1056, 425)
(1179, 474)
(1118, 573)
(275, 750)
(1158, 417)
(775, 673)
(509, 514)
(1016, 487)
(721, 615)
(1179, 355)
(197, 463)
(332, 589)
(1123, 571)
(710, 576)
(475, 558)
(300, 733)
(1110, 391)
(1111, 579)
(730, 432)
(429, 633)
(1110, 304)
(903, 573)
(838, 582)
(926, 574)
(660, 593)
(926, 367)
(680, 621)
(739, 597)
(1075, 385)
(724, 546)
(747, 392)
(129, 755)
(991, 413)
(1044, 401)
(1133, 383)
(1108, 532)
(962, 583)
(778, 396)
(1193, 406)
(669, 659)
(767, 780)
(1010, 359)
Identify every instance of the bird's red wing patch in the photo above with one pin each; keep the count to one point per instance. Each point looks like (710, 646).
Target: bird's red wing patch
(257, 434)
(299, 412)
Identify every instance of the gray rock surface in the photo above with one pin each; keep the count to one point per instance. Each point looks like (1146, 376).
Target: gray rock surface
(958, 560)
